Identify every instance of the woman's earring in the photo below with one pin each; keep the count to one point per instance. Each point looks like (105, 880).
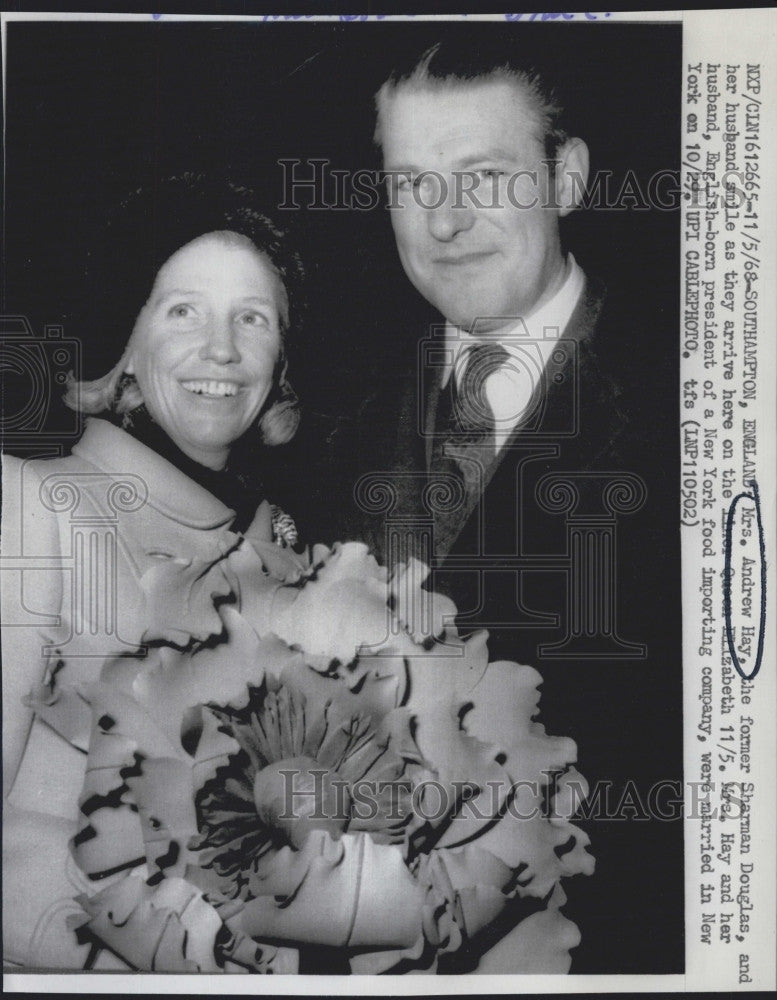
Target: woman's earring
(125, 382)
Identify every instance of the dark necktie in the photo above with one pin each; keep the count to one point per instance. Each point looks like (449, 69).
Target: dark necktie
(463, 446)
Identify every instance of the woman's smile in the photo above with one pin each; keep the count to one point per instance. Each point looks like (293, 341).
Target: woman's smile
(211, 388)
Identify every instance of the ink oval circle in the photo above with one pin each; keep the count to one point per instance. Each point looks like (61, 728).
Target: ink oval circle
(744, 584)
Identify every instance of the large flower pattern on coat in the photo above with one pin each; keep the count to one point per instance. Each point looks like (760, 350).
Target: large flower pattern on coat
(309, 756)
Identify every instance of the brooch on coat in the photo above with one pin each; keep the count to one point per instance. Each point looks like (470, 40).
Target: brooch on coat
(284, 530)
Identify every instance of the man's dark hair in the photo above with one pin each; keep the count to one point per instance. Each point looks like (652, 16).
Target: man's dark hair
(456, 60)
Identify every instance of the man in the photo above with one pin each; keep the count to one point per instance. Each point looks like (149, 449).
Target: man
(528, 453)
(516, 399)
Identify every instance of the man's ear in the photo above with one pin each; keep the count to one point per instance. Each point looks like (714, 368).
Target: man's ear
(571, 175)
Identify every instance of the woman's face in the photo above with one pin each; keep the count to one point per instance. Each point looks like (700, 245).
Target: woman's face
(206, 344)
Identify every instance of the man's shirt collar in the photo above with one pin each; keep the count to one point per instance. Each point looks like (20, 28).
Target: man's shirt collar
(541, 327)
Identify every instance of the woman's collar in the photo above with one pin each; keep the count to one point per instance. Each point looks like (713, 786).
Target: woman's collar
(172, 493)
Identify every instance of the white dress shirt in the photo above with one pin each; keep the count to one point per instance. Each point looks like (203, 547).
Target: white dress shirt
(529, 345)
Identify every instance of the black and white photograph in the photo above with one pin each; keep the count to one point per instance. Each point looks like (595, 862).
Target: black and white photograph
(345, 475)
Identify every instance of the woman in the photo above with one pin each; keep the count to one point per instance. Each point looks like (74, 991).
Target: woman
(163, 476)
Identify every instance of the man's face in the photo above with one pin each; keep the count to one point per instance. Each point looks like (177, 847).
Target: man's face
(480, 255)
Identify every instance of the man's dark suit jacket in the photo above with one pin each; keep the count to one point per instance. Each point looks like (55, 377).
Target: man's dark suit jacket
(571, 558)
(575, 427)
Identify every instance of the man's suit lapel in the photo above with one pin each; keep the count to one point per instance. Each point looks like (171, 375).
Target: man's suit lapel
(407, 466)
(434, 396)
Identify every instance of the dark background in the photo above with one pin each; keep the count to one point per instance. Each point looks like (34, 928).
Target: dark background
(94, 110)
